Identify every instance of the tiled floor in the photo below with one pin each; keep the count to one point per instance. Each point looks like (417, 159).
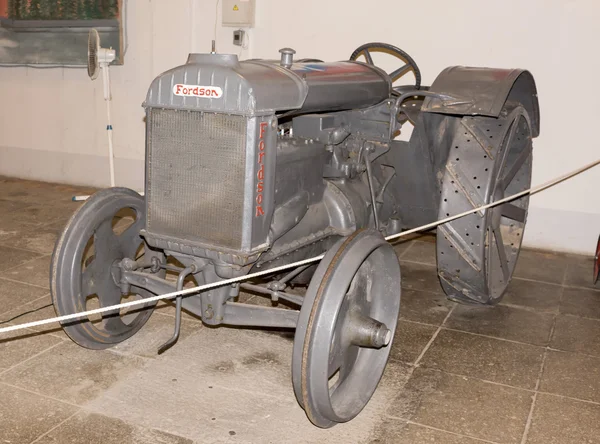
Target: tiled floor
(526, 371)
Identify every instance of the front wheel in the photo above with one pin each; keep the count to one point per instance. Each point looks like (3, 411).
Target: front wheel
(102, 232)
(345, 328)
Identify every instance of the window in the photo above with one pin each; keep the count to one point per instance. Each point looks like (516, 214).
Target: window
(55, 32)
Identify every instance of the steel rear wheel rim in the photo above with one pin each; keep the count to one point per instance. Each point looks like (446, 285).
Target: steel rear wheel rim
(489, 159)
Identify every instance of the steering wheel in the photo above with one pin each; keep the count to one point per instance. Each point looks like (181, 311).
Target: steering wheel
(410, 64)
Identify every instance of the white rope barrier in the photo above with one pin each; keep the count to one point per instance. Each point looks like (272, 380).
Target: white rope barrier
(205, 287)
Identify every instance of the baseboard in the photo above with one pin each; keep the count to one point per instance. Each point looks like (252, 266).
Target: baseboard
(547, 229)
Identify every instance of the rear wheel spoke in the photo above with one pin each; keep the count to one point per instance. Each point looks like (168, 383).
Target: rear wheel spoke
(507, 144)
(516, 166)
(501, 253)
(513, 212)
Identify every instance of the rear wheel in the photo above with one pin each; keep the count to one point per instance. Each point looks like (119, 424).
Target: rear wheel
(489, 159)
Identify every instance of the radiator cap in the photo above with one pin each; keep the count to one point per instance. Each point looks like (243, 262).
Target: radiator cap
(213, 59)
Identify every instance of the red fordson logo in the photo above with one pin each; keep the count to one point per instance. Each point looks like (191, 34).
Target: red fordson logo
(260, 175)
(210, 92)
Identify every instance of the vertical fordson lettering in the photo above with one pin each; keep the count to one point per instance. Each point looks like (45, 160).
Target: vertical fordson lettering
(260, 175)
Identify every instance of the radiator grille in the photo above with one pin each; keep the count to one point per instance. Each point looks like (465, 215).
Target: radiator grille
(195, 176)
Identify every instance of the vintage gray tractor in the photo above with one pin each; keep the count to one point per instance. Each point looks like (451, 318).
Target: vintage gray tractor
(255, 164)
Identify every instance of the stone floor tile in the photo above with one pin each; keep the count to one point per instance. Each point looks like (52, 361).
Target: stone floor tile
(35, 272)
(41, 239)
(422, 252)
(559, 420)
(535, 295)
(396, 431)
(72, 373)
(425, 307)
(25, 416)
(541, 266)
(579, 272)
(35, 311)
(463, 405)
(576, 334)
(15, 294)
(410, 340)
(155, 333)
(12, 257)
(581, 302)
(191, 391)
(504, 322)
(573, 375)
(485, 358)
(9, 206)
(86, 428)
(401, 246)
(18, 346)
(420, 277)
(10, 229)
(33, 192)
(43, 214)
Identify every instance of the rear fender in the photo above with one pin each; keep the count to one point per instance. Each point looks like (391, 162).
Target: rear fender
(483, 91)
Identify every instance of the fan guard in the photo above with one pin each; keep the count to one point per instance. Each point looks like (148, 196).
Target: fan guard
(93, 48)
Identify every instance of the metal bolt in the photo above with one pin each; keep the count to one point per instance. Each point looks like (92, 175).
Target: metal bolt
(287, 57)
(155, 265)
(209, 313)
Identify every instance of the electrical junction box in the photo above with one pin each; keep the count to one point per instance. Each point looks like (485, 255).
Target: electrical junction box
(238, 13)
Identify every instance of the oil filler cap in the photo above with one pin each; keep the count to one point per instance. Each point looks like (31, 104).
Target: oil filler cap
(287, 57)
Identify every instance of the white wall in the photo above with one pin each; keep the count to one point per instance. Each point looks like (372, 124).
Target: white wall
(52, 121)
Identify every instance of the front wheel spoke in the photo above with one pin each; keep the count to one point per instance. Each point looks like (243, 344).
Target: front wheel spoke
(368, 57)
(399, 72)
(108, 294)
(348, 359)
(113, 323)
(336, 363)
(513, 212)
(501, 253)
(130, 238)
(88, 281)
(516, 166)
(105, 242)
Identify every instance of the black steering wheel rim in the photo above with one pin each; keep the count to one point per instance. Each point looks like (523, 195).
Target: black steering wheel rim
(410, 63)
